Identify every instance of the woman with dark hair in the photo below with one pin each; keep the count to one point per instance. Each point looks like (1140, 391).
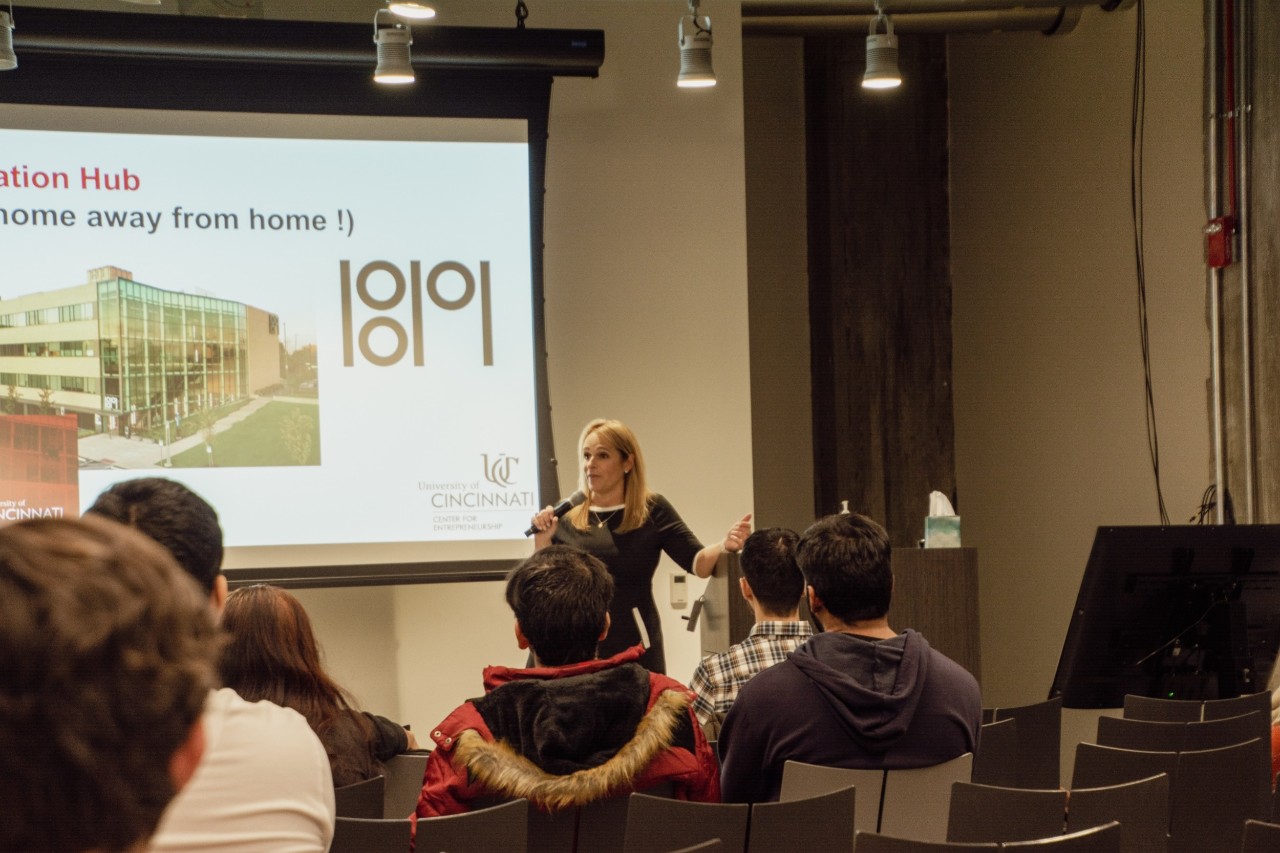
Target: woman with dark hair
(272, 654)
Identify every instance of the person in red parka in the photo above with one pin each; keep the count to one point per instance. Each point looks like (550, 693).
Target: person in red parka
(572, 728)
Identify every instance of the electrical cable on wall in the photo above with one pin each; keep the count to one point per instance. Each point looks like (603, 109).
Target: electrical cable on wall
(1136, 133)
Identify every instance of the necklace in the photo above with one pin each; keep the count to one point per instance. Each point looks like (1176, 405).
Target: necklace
(602, 520)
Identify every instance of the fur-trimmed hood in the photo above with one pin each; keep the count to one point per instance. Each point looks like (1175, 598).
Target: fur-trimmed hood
(567, 736)
(501, 770)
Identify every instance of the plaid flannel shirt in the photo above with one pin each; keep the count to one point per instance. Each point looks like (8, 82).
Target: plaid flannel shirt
(719, 677)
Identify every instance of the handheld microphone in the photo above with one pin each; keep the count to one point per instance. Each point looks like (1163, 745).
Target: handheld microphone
(561, 508)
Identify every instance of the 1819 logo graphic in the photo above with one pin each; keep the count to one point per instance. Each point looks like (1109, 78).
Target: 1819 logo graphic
(448, 274)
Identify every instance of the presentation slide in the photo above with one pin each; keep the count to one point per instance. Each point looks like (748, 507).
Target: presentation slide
(323, 325)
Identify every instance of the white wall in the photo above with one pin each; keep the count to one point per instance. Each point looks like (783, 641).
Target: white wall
(1050, 431)
(646, 304)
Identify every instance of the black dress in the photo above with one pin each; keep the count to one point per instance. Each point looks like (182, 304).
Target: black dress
(632, 558)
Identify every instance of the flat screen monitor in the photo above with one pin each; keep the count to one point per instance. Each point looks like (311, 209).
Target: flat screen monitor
(1178, 612)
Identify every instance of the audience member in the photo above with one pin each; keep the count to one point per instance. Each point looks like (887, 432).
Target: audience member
(272, 654)
(107, 654)
(573, 728)
(263, 785)
(772, 585)
(857, 695)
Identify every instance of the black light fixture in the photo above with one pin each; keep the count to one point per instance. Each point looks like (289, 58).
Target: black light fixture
(695, 50)
(395, 66)
(8, 59)
(882, 54)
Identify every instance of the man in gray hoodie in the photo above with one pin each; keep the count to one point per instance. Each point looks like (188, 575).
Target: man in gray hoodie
(857, 695)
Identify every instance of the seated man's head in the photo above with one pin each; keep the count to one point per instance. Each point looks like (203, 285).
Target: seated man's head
(560, 597)
(845, 560)
(178, 519)
(107, 655)
(770, 575)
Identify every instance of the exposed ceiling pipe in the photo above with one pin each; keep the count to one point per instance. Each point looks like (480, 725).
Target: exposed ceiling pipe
(1057, 21)
(819, 17)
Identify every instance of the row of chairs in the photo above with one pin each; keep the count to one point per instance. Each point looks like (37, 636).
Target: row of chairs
(1020, 746)
(640, 823)
(1258, 837)
(1098, 839)
(1017, 746)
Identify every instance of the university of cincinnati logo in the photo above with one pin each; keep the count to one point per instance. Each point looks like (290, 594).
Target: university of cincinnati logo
(501, 470)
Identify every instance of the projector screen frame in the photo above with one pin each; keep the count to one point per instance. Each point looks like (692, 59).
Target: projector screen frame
(184, 64)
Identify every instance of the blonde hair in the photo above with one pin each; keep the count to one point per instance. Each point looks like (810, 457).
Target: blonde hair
(635, 494)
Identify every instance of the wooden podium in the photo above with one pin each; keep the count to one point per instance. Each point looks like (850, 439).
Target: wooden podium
(935, 591)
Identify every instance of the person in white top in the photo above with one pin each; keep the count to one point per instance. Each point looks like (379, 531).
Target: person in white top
(264, 784)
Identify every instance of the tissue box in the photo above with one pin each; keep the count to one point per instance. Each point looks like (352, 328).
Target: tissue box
(942, 531)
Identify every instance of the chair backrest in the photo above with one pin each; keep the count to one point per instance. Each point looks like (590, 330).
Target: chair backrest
(1039, 741)
(361, 799)
(1195, 710)
(916, 801)
(1151, 735)
(1142, 807)
(1156, 735)
(499, 829)
(872, 842)
(1224, 731)
(1243, 790)
(996, 761)
(1162, 710)
(1099, 839)
(659, 825)
(552, 832)
(1216, 709)
(994, 813)
(366, 835)
(404, 783)
(1260, 837)
(802, 781)
(711, 846)
(1097, 766)
(821, 824)
(1212, 798)
(602, 825)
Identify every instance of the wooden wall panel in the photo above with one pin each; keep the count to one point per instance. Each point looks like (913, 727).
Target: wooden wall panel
(1265, 231)
(880, 292)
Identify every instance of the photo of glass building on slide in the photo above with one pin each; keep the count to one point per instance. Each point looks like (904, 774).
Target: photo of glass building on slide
(171, 370)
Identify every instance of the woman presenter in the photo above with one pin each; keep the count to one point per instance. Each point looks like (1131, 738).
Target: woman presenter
(629, 528)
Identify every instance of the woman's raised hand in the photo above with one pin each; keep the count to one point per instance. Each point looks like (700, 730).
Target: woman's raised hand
(737, 535)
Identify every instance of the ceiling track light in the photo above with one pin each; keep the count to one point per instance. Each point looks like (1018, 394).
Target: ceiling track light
(8, 59)
(143, 2)
(395, 66)
(410, 9)
(695, 50)
(882, 54)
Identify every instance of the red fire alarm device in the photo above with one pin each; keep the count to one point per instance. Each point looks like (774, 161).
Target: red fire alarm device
(1217, 241)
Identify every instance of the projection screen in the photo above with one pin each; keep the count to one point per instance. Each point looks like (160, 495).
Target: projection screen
(328, 325)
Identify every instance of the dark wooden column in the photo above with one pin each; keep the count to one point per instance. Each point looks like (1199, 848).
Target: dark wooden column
(880, 287)
(1264, 228)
